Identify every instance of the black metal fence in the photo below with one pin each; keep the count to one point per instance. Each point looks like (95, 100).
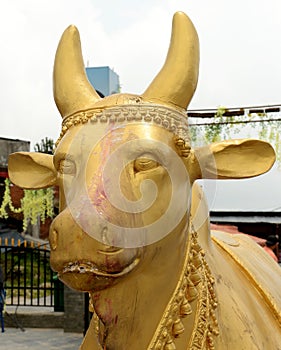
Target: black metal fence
(28, 278)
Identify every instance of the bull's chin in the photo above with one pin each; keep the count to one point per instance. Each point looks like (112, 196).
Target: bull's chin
(87, 277)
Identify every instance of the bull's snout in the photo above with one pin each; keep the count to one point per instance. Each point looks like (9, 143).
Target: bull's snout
(83, 262)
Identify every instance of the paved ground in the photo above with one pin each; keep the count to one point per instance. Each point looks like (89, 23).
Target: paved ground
(39, 339)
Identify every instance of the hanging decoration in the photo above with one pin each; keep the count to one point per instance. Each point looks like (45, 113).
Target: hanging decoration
(34, 204)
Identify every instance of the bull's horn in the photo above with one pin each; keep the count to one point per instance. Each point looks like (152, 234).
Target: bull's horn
(72, 90)
(176, 82)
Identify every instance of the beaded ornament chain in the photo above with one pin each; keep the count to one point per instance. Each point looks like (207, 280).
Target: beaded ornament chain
(196, 283)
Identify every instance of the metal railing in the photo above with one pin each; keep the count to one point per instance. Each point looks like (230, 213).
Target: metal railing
(28, 278)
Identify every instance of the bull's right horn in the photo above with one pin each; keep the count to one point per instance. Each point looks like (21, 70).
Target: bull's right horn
(72, 90)
(177, 80)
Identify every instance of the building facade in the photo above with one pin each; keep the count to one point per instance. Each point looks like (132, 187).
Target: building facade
(8, 146)
(104, 80)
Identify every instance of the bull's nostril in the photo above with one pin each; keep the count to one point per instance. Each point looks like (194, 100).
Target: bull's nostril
(53, 238)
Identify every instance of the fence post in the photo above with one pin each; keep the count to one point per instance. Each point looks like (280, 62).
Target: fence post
(73, 310)
(58, 294)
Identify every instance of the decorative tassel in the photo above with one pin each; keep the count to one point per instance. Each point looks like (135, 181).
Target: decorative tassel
(196, 247)
(185, 308)
(195, 277)
(196, 259)
(170, 345)
(191, 291)
(178, 328)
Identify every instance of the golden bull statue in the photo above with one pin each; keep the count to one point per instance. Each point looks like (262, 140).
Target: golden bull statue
(133, 228)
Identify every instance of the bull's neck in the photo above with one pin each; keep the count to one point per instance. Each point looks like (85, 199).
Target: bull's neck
(167, 298)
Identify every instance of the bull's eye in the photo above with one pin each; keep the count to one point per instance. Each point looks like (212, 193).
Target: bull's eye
(67, 166)
(144, 164)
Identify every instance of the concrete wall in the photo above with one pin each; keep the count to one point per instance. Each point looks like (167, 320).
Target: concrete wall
(23, 319)
(73, 310)
(71, 320)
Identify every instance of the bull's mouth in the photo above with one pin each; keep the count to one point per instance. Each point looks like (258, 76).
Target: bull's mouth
(90, 268)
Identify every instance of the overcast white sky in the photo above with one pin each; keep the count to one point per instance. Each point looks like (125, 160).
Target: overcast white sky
(239, 43)
(239, 40)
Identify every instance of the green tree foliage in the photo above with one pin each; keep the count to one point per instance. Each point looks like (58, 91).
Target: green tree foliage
(46, 145)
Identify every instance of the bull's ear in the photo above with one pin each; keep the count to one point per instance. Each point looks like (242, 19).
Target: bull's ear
(32, 170)
(234, 159)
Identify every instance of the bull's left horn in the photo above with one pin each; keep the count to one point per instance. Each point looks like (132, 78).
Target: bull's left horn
(72, 90)
(177, 80)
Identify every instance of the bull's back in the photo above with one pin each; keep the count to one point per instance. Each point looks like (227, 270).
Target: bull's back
(248, 285)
